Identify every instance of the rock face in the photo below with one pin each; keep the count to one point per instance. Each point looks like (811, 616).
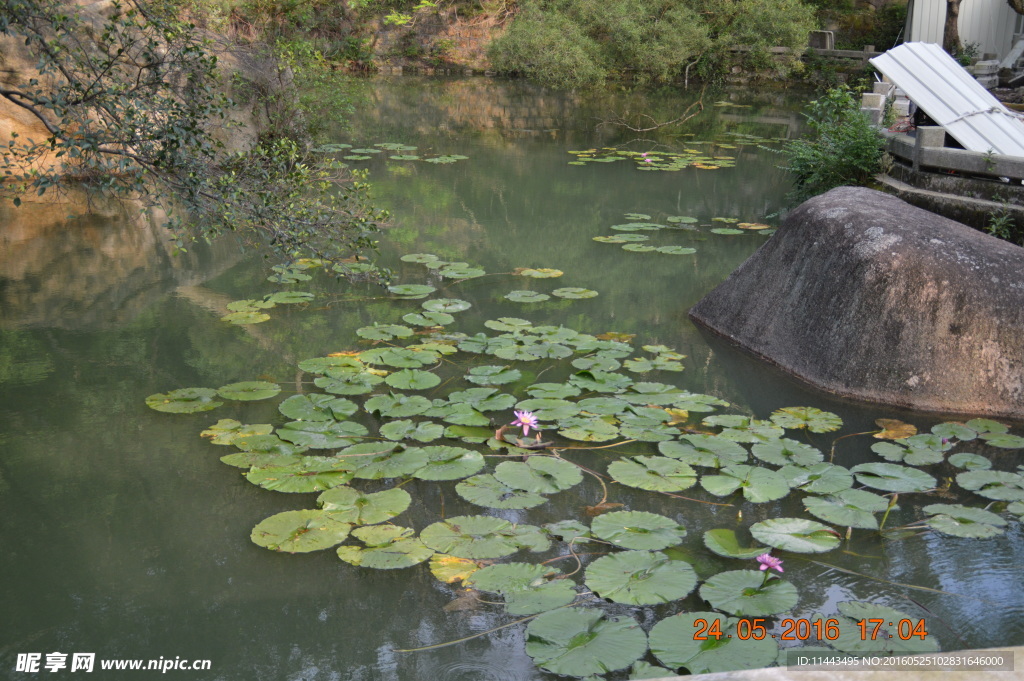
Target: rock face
(866, 296)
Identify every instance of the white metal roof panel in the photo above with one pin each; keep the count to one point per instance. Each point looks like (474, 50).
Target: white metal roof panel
(953, 98)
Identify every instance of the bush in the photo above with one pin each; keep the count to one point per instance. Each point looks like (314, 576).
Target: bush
(845, 149)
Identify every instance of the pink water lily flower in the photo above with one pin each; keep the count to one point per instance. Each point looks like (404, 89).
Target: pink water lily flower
(527, 420)
(769, 561)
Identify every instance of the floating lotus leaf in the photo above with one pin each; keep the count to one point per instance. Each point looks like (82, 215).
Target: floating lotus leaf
(744, 429)
(848, 508)
(971, 462)
(401, 358)
(814, 420)
(964, 521)
(331, 147)
(541, 598)
(317, 407)
(267, 444)
(637, 216)
(704, 450)
(322, 434)
(471, 434)
(637, 226)
(405, 429)
(724, 543)
(574, 292)
(549, 409)
(953, 430)
(394, 146)
(493, 375)
(638, 530)
(893, 429)
(428, 318)
(1017, 508)
(249, 390)
(582, 641)
(460, 414)
(554, 391)
(404, 157)
(886, 640)
(184, 400)
(250, 305)
(451, 272)
(483, 399)
(640, 578)
(383, 332)
(348, 383)
(673, 643)
(698, 402)
(986, 426)
(645, 670)
(486, 490)
(585, 429)
(527, 297)
(538, 272)
(927, 441)
(245, 317)
(446, 305)
(412, 379)
(726, 230)
(603, 406)
(451, 569)
(320, 365)
(397, 405)
(540, 474)
(1003, 440)
(892, 477)
(393, 465)
(399, 553)
(357, 157)
(682, 219)
(510, 324)
(290, 297)
(509, 577)
(596, 363)
(798, 535)
(745, 593)
(568, 530)
(676, 250)
(300, 531)
(646, 430)
(309, 474)
(622, 238)
(600, 381)
(784, 451)
(446, 159)
(355, 507)
(999, 485)
(657, 473)
(225, 431)
(638, 248)
(365, 151)
(449, 463)
(419, 257)
(475, 536)
(759, 485)
(249, 460)
(639, 365)
(821, 478)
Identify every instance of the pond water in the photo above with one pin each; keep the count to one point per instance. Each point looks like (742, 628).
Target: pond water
(125, 536)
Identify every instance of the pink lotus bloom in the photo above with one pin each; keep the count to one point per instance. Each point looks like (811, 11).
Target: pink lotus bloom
(769, 561)
(647, 160)
(527, 420)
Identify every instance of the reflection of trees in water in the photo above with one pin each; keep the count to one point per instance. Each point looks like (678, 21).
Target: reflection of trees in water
(104, 265)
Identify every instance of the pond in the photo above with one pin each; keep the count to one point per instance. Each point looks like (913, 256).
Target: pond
(126, 536)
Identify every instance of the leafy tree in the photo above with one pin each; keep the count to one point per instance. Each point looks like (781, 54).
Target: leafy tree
(844, 149)
(129, 102)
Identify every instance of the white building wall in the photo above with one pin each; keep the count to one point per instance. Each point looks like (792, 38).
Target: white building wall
(990, 23)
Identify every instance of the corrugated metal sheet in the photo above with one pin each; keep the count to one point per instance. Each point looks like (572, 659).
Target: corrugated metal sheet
(989, 23)
(953, 98)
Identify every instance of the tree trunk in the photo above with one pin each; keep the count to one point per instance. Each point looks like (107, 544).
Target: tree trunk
(1017, 5)
(951, 32)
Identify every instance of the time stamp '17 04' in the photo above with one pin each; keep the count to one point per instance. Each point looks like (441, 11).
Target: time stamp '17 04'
(803, 629)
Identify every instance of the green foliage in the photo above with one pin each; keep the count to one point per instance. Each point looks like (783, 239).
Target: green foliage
(844, 148)
(130, 106)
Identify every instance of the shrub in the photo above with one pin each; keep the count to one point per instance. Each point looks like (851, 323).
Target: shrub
(844, 149)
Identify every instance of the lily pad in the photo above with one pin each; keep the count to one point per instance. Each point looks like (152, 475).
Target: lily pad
(249, 390)
(397, 405)
(583, 641)
(656, 473)
(419, 257)
(473, 536)
(226, 431)
(963, 521)
(308, 474)
(759, 485)
(746, 593)
(493, 375)
(574, 292)
(428, 318)
(245, 317)
(384, 332)
(322, 434)
(784, 451)
(412, 379)
(486, 490)
(999, 485)
(674, 642)
(290, 297)
(449, 463)
(446, 305)
(885, 639)
(724, 543)
(406, 429)
(637, 530)
(527, 297)
(819, 478)
(554, 391)
(640, 578)
(705, 450)
(538, 272)
(971, 462)
(355, 507)
(585, 429)
(892, 477)
(348, 383)
(676, 250)
(300, 531)
(798, 535)
(1003, 440)
(401, 551)
(848, 508)
(317, 407)
(184, 400)
(814, 420)
(540, 474)
(397, 464)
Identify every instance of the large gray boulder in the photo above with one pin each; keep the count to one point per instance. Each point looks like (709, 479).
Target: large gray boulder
(866, 296)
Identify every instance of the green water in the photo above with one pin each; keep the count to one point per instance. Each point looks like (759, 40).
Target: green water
(126, 537)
